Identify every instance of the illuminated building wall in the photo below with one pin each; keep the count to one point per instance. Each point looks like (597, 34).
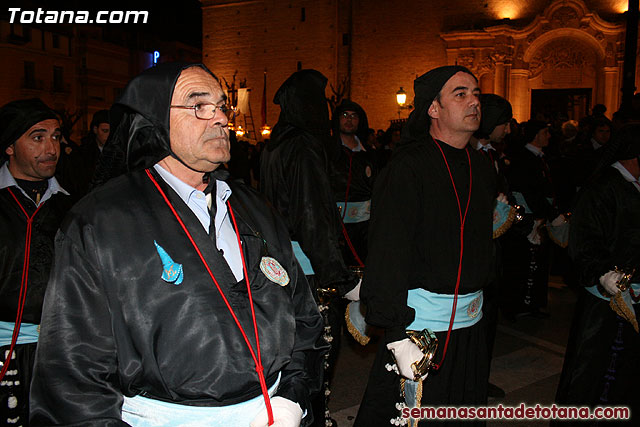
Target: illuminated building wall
(384, 45)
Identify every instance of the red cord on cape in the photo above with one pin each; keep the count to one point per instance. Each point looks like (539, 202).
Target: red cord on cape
(463, 219)
(344, 229)
(257, 360)
(23, 283)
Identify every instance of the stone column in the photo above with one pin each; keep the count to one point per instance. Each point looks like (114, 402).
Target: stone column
(499, 87)
(612, 89)
(520, 94)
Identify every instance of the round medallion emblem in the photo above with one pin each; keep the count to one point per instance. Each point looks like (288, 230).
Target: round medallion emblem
(474, 308)
(274, 271)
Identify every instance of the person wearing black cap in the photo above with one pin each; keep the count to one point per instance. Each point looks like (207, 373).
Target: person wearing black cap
(175, 298)
(294, 176)
(430, 250)
(526, 263)
(32, 206)
(495, 125)
(602, 362)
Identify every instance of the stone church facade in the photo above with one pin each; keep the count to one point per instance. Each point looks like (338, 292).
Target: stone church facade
(563, 55)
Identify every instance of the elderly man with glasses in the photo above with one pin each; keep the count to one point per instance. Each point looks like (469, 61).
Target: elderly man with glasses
(175, 298)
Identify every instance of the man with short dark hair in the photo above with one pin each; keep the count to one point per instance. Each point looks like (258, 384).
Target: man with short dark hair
(430, 250)
(175, 298)
(32, 205)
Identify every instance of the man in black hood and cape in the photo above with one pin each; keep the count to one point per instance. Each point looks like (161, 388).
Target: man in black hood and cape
(602, 362)
(353, 171)
(175, 297)
(430, 250)
(294, 176)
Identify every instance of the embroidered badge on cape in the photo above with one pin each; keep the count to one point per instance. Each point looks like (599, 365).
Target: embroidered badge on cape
(274, 271)
(473, 310)
(171, 271)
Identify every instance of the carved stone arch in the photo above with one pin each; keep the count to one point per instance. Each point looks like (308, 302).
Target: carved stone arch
(565, 33)
(566, 9)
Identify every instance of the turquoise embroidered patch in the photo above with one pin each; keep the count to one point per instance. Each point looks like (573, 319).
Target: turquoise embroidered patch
(171, 271)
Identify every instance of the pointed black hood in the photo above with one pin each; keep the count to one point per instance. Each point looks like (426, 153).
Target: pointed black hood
(140, 117)
(303, 105)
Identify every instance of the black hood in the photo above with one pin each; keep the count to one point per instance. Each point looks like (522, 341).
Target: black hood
(303, 105)
(363, 124)
(140, 117)
(426, 88)
(495, 111)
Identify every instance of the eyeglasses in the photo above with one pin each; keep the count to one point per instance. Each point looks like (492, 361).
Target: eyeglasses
(347, 115)
(206, 110)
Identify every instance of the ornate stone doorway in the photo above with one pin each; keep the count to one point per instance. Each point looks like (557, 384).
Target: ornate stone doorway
(567, 47)
(560, 104)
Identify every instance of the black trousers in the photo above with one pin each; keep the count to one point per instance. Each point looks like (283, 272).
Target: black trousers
(461, 380)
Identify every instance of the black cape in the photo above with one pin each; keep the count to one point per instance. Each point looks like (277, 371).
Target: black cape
(602, 362)
(294, 176)
(113, 327)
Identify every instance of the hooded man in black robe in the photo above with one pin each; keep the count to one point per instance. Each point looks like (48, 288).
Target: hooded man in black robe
(602, 362)
(353, 171)
(175, 296)
(294, 176)
(430, 244)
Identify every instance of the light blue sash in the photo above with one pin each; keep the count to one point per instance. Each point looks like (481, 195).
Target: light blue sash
(433, 311)
(304, 262)
(356, 211)
(28, 333)
(594, 291)
(141, 411)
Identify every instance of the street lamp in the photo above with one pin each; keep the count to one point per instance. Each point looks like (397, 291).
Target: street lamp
(401, 97)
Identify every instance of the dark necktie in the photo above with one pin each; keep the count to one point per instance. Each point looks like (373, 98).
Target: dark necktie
(211, 194)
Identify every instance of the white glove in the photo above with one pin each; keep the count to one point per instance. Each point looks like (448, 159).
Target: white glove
(534, 237)
(609, 282)
(286, 413)
(405, 353)
(354, 294)
(502, 198)
(559, 220)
